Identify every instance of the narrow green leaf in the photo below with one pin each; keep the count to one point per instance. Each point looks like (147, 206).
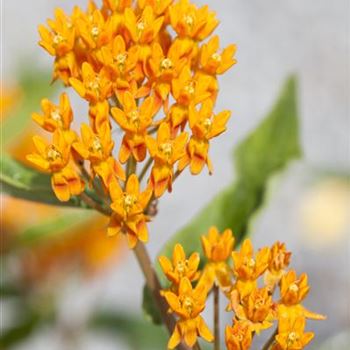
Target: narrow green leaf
(23, 182)
(53, 227)
(264, 152)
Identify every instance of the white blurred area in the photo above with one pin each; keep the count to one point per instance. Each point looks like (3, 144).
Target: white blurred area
(308, 208)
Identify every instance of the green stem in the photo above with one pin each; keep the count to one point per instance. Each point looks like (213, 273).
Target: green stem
(145, 168)
(216, 318)
(270, 341)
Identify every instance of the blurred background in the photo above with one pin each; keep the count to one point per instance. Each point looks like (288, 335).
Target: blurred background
(78, 271)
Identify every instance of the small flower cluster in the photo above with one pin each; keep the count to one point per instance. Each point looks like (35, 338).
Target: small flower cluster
(251, 300)
(144, 67)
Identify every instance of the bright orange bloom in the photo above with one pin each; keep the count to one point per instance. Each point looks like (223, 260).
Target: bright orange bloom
(291, 334)
(248, 267)
(204, 127)
(188, 305)
(94, 30)
(239, 336)
(256, 309)
(143, 30)
(190, 22)
(97, 148)
(60, 38)
(54, 158)
(180, 266)
(56, 116)
(166, 152)
(134, 121)
(120, 62)
(214, 63)
(188, 90)
(279, 260)
(293, 291)
(162, 69)
(94, 87)
(217, 249)
(128, 211)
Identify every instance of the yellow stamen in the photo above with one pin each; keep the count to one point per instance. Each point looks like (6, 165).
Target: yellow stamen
(52, 153)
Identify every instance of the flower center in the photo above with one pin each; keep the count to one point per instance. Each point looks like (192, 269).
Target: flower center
(251, 263)
(292, 338)
(53, 154)
(121, 58)
(294, 288)
(140, 26)
(166, 64)
(166, 148)
(55, 115)
(181, 266)
(95, 32)
(94, 84)
(216, 57)
(207, 123)
(188, 304)
(189, 20)
(96, 145)
(57, 39)
(189, 88)
(129, 201)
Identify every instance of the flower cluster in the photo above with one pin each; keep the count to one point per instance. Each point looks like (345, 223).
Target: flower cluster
(249, 284)
(148, 72)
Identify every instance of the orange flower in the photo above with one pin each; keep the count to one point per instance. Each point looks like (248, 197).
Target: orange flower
(248, 266)
(54, 158)
(143, 30)
(93, 29)
(60, 38)
(190, 22)
(56, 116)
(256, 309)
(134, 121)
(217, 249)
(188, 305)
(204, 127)
(180, 266)
(97, 148)
(162, 69)
(94, 87)
(291, 334)
(293, 291)
(239, 336)
(188, 90)
(128, 211)
(120, 62)
(279, 260)
(166, 152)
(214, 63)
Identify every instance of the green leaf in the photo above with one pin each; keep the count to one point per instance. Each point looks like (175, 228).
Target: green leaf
(139, 333)
(34, 85)
(53, 227)
(149, 308)
(264, 152)
(23, 182)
